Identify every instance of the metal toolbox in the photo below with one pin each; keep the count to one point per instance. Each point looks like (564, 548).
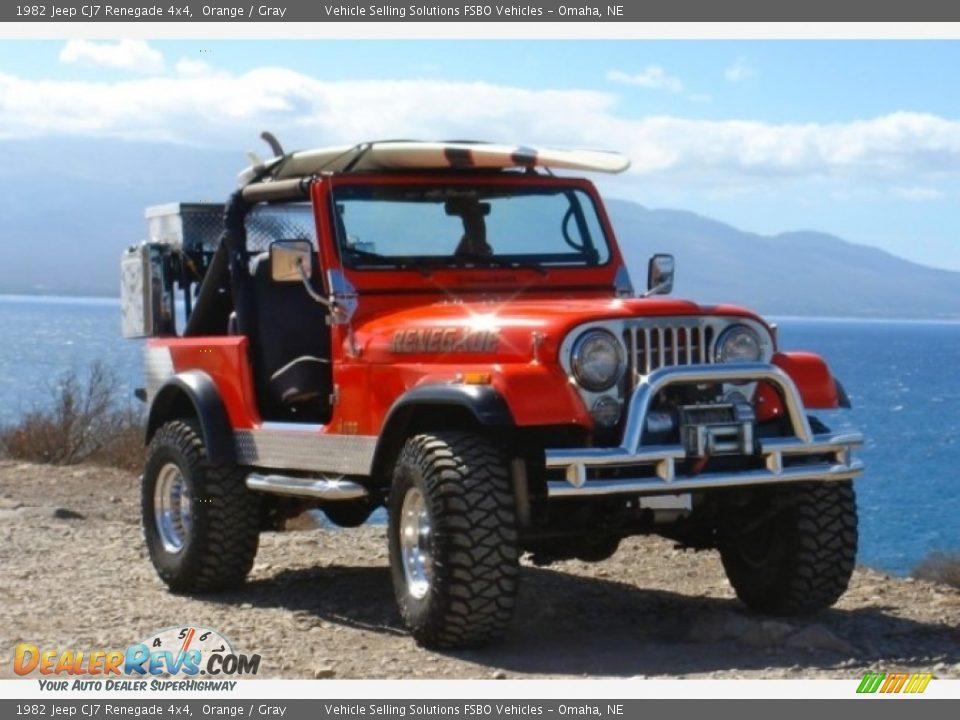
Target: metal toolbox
(196, 227)
(186, 226)
(146, 293)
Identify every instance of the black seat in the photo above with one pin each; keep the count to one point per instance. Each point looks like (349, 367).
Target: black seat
(291, 351)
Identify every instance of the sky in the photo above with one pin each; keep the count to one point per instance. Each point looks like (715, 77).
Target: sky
(856, 138)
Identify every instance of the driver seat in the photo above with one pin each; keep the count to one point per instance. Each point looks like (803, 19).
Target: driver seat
(291, 354)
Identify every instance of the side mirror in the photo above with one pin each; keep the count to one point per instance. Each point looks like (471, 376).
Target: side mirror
(291, 260)
(660, 275)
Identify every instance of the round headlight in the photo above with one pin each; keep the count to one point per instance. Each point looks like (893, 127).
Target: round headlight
(597, 360)
(738, 343)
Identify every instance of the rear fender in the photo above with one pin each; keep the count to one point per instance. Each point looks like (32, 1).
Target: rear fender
(194, 394)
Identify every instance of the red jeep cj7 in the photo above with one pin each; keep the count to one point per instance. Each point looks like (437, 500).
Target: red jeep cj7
(449, 330)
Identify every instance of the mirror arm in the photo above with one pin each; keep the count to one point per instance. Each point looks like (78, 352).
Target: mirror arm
(653, 291)
(311, 292)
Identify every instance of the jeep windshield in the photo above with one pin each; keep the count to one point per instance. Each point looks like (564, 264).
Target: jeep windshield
(426, 226)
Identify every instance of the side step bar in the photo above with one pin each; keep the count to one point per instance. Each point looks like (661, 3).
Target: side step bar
(317, 488)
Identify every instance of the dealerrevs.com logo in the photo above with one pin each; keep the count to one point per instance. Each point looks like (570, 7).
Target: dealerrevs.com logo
(184, 652)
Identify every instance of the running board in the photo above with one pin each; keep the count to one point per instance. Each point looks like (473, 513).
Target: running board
(317, 488)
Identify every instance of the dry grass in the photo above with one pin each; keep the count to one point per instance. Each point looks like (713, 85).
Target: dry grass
(83, 421)
(940, 567)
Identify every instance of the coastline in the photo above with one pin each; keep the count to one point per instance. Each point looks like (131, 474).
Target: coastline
(104, 300)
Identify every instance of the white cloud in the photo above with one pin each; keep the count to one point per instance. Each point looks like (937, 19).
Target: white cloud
(652, 76)
(219, 109)
(739, 71)
(193, 68)
(133, 55)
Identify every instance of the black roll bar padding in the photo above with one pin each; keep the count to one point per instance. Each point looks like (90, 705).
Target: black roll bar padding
(234, 238)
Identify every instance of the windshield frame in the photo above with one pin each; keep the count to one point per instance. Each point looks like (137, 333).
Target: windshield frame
(493, 183)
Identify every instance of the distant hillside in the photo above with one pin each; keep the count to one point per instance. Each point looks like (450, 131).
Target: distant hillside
(794, 273)
(68, 208)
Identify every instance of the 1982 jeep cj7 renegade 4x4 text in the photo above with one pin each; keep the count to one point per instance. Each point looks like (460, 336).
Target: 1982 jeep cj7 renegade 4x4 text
(449, 330)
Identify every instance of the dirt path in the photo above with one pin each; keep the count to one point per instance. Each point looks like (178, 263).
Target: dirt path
(74, 574)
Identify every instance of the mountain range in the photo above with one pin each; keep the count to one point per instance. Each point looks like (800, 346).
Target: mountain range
(68, 207)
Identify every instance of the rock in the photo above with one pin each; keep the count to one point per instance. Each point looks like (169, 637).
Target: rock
(499, 675)
(39, 513)
(714, 627)
(766, 633)
(115, 499)
(324, 672)
(817, 637)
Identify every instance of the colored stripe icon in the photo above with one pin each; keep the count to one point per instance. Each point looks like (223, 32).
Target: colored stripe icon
(888, 683)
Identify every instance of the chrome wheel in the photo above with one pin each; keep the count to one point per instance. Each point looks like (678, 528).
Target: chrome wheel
(171, 508)
(415, 543)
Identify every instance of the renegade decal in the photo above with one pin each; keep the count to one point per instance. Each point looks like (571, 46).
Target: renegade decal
(446, 340)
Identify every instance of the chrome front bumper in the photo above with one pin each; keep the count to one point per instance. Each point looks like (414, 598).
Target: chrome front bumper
(784, 458)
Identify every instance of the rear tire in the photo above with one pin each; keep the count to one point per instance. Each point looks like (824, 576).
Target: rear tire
(453, 540)
(201, 523)
(794, 549)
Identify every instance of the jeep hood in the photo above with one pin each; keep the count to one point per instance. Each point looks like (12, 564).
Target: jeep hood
(505, 331)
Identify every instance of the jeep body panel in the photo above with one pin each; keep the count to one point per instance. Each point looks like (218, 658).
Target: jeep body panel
(427, 337)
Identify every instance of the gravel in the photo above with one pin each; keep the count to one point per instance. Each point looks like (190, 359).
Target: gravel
(319, 604)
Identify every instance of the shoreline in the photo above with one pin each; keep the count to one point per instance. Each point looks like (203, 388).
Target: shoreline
(773, 317)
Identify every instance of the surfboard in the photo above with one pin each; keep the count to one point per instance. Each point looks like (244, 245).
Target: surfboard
(413, 155)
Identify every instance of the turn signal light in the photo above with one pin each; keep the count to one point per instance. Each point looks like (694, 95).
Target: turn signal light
(476, 378)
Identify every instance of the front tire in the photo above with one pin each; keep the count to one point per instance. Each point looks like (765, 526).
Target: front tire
(793, 550)
(201, 523)
(453, 540)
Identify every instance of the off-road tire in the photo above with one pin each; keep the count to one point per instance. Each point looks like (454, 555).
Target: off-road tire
(473, 542)
(221, 544)
(793, 552)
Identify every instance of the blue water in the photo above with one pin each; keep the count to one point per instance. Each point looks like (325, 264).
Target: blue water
(903, 383)
(901, 376)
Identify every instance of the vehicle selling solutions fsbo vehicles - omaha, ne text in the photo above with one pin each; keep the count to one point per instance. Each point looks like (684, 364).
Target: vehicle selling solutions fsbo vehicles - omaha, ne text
(449, 330)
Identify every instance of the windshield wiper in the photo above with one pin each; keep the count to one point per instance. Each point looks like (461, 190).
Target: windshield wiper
(493, 261)
(536, 267)
(464, 258)
(378, 260)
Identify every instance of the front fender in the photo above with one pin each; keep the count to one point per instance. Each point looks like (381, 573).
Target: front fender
(482, 403)
(194, 394)
(818, 389)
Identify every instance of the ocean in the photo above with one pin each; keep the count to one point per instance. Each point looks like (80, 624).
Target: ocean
(900, 377)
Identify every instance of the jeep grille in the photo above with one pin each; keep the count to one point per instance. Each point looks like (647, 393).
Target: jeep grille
(653, 344)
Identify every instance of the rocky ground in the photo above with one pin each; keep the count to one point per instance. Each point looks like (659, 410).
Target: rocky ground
(74, 574)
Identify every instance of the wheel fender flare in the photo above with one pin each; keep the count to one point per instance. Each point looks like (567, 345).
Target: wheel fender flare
(482, 402)
(195, 390)
(818, 387)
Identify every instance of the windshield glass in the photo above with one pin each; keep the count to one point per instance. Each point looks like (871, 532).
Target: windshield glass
(444, 225)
